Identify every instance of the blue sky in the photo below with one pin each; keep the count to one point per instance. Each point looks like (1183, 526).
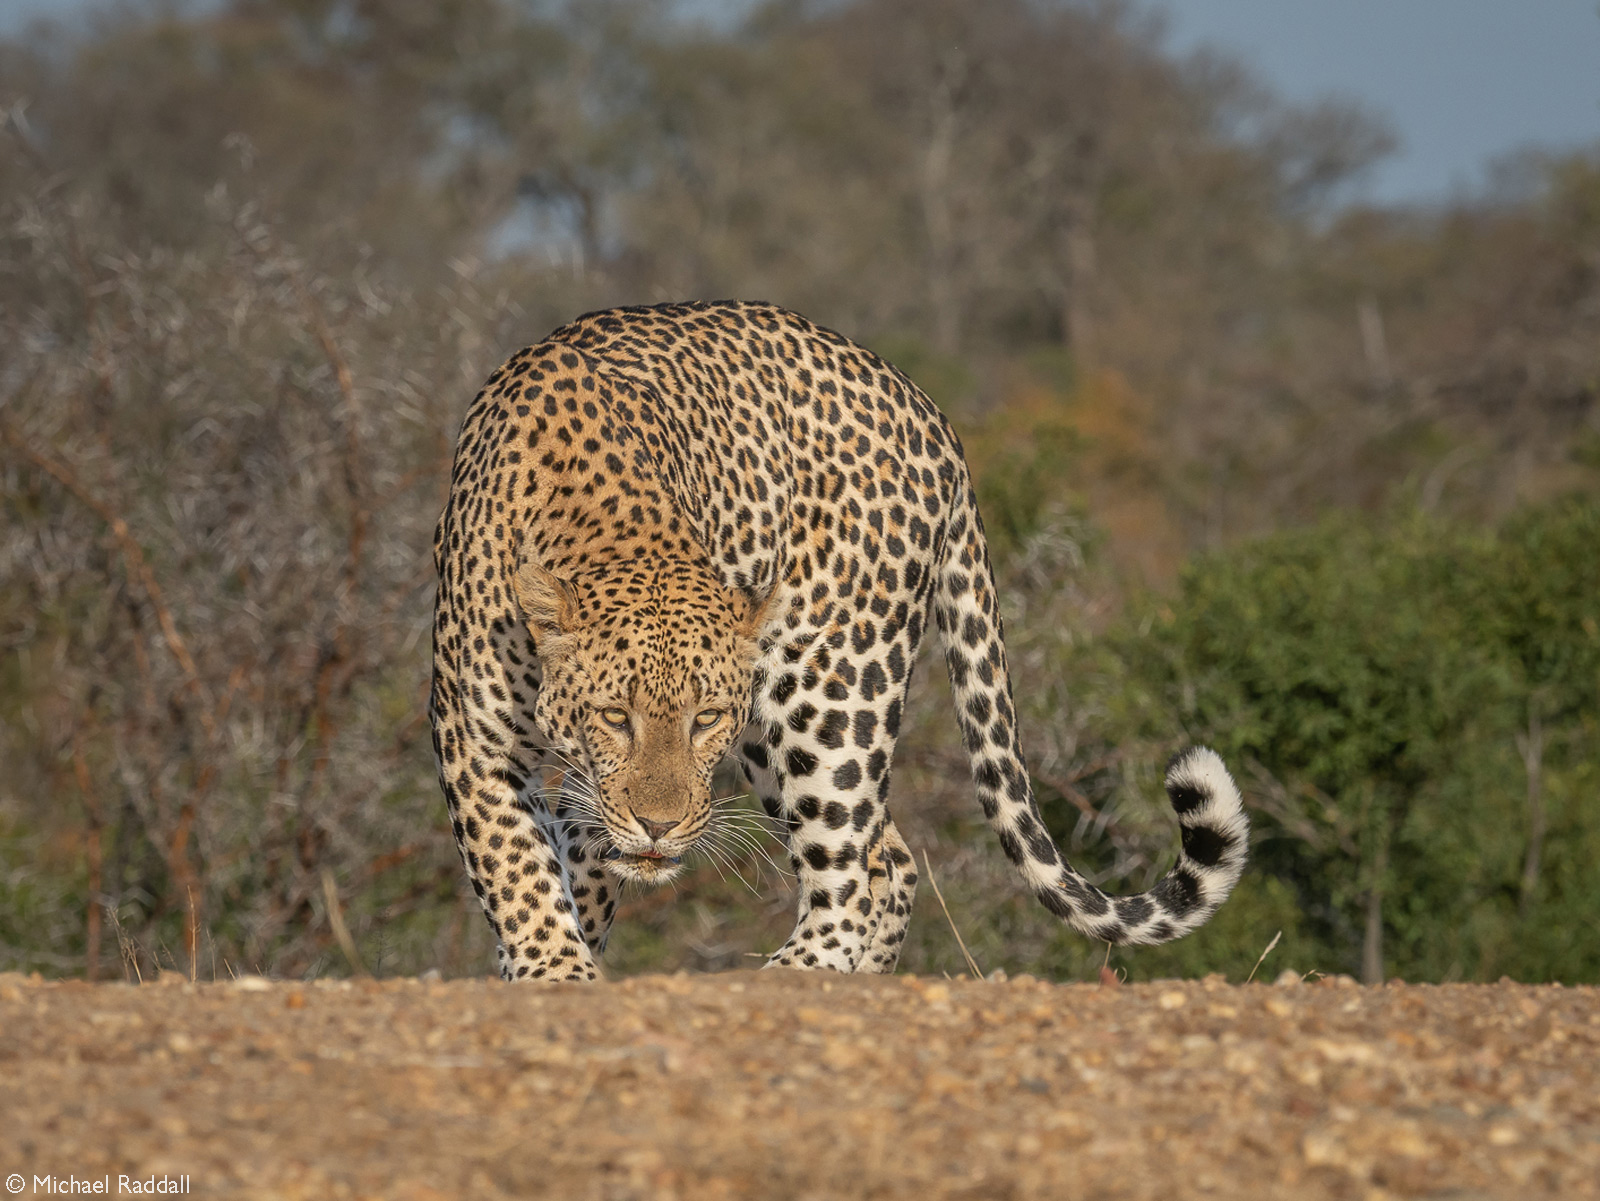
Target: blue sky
(1461, 81)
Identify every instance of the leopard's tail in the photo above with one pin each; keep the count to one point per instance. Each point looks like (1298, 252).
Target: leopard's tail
(1210, 814)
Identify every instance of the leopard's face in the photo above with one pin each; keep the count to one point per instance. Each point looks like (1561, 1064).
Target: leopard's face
(646, 682)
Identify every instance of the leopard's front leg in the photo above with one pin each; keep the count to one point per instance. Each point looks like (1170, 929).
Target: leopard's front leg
(878, 925)
(516, 871)
(487, 767)
(892, 897)
(568, 820)
(845, 888)
(827, 745)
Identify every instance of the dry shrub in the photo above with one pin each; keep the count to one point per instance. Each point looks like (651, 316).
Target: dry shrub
(222, 470)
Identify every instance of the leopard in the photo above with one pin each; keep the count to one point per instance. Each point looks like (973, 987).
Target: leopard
(686, 532)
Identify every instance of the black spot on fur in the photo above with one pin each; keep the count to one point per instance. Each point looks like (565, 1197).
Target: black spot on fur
(1184, 797)
(1011, 845)
(831, 732)
(1133, 910)
(1204, 845)
(874, 682)
(1088, 898)
(866, 724)
(1038, 839)
(800, 717)
(1179, 893)
(1057, 902)
(801, 762)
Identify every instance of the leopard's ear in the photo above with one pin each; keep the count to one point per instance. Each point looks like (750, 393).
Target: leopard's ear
(754, 608)
(549, 603)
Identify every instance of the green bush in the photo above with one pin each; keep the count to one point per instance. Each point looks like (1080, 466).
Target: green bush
(1411, 712)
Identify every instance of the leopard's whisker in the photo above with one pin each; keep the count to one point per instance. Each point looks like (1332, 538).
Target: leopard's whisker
(745, 820)
(583, 806)
(755, 834)
(752, 847)
(735, 854)
(568, 766)
(714, 854)
(710, 857)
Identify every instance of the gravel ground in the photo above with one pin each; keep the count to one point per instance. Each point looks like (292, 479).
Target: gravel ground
(786, 1085)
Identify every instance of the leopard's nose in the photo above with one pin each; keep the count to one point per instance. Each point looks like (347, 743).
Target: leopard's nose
(657, 829)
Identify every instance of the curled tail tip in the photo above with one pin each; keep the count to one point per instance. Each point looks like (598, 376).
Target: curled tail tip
(1201, 789)
(1211, 813)
(1215, 842)
(1195, 759)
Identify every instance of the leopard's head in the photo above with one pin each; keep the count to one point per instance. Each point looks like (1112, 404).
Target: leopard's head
(646, 668)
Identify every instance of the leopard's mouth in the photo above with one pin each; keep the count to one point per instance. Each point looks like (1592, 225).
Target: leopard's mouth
(636, 859)
(642, 867)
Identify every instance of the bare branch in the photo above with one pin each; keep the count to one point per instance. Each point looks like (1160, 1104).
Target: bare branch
(138, 568)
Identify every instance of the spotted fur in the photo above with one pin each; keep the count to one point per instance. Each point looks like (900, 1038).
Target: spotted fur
(680, 531)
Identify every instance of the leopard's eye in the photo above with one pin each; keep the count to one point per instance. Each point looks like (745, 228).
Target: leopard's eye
(615, 717)
(707, 718)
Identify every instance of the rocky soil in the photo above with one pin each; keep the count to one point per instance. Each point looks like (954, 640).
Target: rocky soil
(781, 1085)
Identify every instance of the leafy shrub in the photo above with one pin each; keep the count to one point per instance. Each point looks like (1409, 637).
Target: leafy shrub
(1411, 712)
